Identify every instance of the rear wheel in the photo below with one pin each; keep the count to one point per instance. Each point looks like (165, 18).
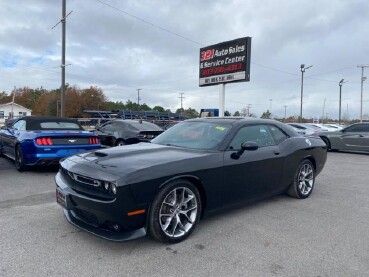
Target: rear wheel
(19, 161)
(120, 142)
(304, 180)
(175, 212)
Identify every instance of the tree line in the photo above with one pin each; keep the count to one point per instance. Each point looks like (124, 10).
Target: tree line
(45, 102)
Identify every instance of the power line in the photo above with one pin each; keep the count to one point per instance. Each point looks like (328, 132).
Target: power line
(149, 23)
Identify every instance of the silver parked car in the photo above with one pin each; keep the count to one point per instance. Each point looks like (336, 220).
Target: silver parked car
(304, 129)
(353, 138)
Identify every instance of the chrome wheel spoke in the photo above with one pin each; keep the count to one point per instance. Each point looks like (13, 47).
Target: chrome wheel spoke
(178, 212)
(167, 223)
(306, 179)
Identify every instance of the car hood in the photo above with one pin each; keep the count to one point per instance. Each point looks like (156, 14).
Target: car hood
(141, 161)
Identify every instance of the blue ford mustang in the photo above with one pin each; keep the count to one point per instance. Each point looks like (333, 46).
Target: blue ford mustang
(36, 140)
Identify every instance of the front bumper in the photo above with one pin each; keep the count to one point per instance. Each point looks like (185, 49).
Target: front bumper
(104, 233)
(107, 219)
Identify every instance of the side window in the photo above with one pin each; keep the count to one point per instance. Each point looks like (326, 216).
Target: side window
(118, 126)
(106, 127)
(360, 128)
(20, 125)
(256, 133)
(278, 134)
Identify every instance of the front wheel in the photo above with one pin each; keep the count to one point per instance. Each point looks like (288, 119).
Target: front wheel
(327, 142)
(304, 180)
(175, 212)
(19, 161)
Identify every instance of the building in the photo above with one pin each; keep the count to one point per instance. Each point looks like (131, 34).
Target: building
(12, 110)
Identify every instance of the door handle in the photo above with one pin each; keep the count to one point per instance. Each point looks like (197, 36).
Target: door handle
(276, 152)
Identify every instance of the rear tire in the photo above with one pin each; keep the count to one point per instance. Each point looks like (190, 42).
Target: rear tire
(304, 180)
(18, 159)
(120, 142)
(175, 212)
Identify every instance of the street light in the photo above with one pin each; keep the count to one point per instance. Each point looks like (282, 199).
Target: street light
(361, 99)
(339, 113)
(303, 68)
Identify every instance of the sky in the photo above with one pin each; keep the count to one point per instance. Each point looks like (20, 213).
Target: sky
(122, 46)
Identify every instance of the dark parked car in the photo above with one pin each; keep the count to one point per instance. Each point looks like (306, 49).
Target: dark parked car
(352, 138)
(35, 140)
(127, 131)
(199, 165)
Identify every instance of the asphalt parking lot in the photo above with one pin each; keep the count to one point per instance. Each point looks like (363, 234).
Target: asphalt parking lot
(324, 235)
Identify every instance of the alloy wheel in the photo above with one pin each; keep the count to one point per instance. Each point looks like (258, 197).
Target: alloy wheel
(178, 212)
(306, 179)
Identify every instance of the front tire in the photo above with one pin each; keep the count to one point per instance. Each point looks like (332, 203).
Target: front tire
(18, 159)
(304, 180)
(327, 142)
(175, 212)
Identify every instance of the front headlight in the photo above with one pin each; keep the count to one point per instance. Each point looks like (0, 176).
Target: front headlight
(113, 189)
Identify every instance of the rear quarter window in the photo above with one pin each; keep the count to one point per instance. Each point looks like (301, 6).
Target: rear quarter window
(278, 135)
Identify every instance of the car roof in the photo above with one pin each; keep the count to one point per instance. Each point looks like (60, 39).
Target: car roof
(33, 122)
(242, 120)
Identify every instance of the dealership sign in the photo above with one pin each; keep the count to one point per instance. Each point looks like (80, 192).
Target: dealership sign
(225, 62)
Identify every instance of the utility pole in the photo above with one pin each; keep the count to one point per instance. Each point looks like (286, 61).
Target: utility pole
(270, 108)
(323, 110)
(285, 112)
(13, 102)
(248, 110)
(138, 98)
(362, 85)
(303, 68)
(181, 97)
(63, 21)
(63, 65)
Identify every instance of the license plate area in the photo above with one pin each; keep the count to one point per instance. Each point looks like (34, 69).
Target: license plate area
(61, 198)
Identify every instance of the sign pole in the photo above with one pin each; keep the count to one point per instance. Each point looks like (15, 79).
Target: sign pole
(221, 99)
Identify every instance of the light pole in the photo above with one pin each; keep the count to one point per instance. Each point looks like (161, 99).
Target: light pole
(362, 83)
(285, 112)
(270, 108)
(339, 112)
(303, 68)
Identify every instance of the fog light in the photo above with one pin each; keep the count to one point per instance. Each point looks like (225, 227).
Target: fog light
(106, 186)
(113, 189)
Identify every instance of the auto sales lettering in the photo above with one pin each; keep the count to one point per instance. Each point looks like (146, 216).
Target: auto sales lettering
(225, 62)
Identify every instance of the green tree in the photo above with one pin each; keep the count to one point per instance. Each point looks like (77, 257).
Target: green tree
(159, 109)
(266, 114)
(144, 107)
(237, 113)
(191, 113)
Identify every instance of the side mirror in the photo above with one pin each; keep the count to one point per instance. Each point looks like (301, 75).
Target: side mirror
(245, 146)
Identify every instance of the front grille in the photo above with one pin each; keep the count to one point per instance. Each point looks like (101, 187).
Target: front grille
(87, 217)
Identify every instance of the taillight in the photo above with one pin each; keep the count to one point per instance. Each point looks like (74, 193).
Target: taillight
(94, 140)
(44, 141)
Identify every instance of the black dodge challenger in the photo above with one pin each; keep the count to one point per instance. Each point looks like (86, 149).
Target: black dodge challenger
(200, 165)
